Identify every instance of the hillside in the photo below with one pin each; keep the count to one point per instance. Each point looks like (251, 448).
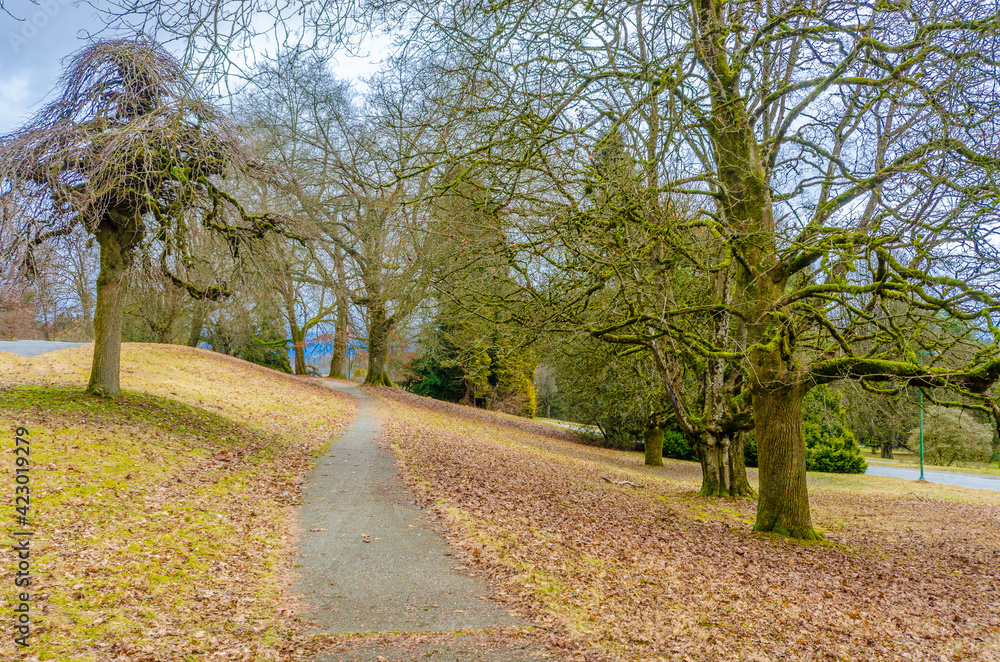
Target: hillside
(648, 570)
(162, 520)
(163, 532)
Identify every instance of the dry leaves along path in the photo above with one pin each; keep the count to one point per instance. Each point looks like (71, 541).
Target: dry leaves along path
(370, 563)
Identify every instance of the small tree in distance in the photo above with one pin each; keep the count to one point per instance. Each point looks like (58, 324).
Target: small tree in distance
(129, 152)
(953, 435)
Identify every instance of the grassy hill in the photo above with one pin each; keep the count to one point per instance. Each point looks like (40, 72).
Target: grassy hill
(163, 530)
(162, 519)
(648, 570)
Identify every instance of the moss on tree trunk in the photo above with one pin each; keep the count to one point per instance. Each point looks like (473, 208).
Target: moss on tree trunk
(739, 486)
(783, 504)
(723, 469)
(109, 313)
(299, 350)
(297, 337)
(714, 468)
(378, 348)
(653, 439)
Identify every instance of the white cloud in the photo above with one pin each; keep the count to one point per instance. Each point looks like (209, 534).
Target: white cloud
(15, 92)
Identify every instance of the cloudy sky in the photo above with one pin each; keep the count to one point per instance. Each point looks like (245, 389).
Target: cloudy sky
(34, 41)
(31, 49)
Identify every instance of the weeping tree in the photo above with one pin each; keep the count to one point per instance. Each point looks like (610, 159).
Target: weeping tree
(132, 154)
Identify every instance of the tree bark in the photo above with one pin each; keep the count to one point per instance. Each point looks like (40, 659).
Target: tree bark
(85, 304)
(116, 246)
(197, 323)
(714, 466)
(887, 450)
(378, 347)
(299, 349)
(298, 339)
(653, 438)
(783, 505)
(739, 486)
(338, 361)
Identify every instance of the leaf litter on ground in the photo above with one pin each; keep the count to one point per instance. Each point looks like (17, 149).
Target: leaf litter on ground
(906, 571)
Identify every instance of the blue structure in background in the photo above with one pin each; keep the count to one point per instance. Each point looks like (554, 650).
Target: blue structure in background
(320, 345)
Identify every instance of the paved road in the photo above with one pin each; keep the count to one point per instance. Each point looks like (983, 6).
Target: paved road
(977, 481)
(369, 560)
(34, 347)
(575, 427)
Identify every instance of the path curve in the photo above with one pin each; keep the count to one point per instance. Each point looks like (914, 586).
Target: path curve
(369, 561)
(957, 478)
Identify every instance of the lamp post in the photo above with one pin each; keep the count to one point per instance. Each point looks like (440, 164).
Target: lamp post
(920, 392)
(920, 395)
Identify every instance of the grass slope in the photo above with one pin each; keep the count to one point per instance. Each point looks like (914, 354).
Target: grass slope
(161, 519)
(907, 571)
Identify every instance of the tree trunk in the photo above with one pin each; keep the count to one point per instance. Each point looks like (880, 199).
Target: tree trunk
(197, 323)
(783, 505)
(378, 347)
(339, 359)
(109, 313)
(299, 349)
(886, 448)
(723, 469)
(298, 338)
(653, 438)
(739, 486)
(714, 467)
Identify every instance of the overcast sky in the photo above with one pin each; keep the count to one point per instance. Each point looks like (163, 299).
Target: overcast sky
(31, 50)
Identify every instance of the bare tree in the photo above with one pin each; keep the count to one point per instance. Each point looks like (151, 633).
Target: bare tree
(342, 160)
(132, 155)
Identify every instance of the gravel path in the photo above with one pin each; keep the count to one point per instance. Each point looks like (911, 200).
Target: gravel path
(371, 563)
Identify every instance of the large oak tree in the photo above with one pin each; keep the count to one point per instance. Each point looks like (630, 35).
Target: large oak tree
(843, 157)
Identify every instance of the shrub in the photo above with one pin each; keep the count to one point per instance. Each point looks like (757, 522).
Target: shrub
(830, 446)
(750, 449)
(675, 446)
(953, 435)
(428, 376)
(839, 455)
